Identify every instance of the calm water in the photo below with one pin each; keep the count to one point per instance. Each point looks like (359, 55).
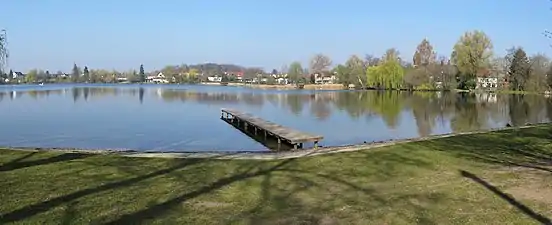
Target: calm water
(187, 118)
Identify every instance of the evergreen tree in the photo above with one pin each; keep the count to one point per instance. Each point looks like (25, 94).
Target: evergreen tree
(75, 73)
(142, 74)
(519, 71)
(86, 74)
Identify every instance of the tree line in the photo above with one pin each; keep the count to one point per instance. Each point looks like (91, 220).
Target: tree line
(472, 57)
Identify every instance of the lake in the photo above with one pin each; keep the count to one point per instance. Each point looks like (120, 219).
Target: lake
(187, 118)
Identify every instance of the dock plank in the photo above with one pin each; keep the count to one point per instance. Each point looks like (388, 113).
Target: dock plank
(289, 134)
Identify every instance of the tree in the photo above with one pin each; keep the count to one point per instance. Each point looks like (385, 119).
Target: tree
(388, 74)
(344, 75)
(295, 72)
(142, 74)
(252, 72)
(549, 77)
(519, 70)
(470, 54)
(370, 60)
(416, 77)
(320, 63)
(31, 76)
(539, 69)
(86, 74)
(424, 54)
(192, 75)
(75, 73)
(356, 72)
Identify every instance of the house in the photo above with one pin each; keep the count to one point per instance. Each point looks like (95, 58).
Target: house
(158, 79)
(486, 79)
(214, 79)
(324, 78)
(281, 78)
(17, 75)
(487, 82)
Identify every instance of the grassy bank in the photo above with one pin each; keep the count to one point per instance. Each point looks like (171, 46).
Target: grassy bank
(494, 178)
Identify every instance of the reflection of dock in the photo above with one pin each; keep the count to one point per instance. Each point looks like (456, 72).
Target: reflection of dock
(266, 128)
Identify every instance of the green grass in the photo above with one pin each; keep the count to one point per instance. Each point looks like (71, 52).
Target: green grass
(495, 178)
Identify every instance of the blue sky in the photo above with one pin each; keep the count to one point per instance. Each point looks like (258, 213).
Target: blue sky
(122, 34)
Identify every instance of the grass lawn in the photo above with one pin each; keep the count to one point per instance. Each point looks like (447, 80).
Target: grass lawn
(496, 178)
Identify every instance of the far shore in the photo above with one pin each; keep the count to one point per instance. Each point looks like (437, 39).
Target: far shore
(283, 87)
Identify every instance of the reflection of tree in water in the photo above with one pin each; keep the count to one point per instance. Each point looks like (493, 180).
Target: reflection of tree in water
(351, 103)
(466, 115)
(199, 97)
(76, 93)
(387, 104)
(274, 99)
(519, 110)
(85, 93)
(141, 95)
(424, 110)
(253, 98)
(320, 109)
(295, 104)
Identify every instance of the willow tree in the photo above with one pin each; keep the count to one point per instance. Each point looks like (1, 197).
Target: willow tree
(471, 54)
(388, 74)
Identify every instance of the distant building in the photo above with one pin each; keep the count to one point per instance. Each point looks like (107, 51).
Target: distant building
(214, 79)
(324, 78)
(17, 75)
(158, 79)
(487, 82)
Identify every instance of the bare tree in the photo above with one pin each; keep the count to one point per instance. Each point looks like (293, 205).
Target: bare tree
(320, 63)
(371, 60)
(424, 54)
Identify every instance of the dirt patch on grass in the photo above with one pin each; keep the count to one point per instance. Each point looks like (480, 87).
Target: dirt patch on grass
(532, 191)
(212, 204)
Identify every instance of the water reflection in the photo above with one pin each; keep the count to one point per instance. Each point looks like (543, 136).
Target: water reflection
(428, 112)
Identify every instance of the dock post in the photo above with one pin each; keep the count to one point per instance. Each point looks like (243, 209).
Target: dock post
(255, 130)
(221, 114)
(279, 143)
(315, 144)
(265, 134)
(245, 126)
(295, 146)
(300, 145)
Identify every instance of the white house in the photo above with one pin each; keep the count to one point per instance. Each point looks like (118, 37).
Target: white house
(158, 79)
(17, 75)
(214, 79)
(325, 79)
(487, 82)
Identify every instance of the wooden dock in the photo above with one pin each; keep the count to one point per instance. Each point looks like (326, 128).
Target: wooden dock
(260, 126)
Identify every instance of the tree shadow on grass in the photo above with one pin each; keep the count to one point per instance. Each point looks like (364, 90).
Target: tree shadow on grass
(520, 206)
(280, 203)
(31, 210)
(522, 148)
(17, 164)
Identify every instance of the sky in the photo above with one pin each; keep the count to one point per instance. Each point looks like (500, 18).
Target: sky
(122, 34)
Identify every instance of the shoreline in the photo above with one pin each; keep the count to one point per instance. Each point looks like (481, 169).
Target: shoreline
(282, 87)
(264, 155)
